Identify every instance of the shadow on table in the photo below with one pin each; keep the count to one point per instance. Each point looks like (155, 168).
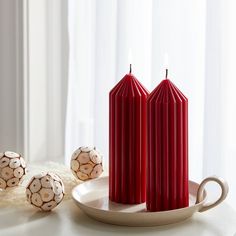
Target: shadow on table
(193, 226)
(22, 216)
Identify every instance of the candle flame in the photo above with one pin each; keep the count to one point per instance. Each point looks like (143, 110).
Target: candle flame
(130, 57)
(166, 61)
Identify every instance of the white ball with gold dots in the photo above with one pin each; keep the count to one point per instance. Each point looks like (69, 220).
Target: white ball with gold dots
(86, 163)
(12, 169)
(45, 191)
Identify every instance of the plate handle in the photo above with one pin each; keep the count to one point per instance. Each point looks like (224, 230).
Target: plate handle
(224, 191)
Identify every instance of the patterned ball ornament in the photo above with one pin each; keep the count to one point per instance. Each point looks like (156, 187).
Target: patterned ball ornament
(12, 169)
(86, 163)
(45, 191)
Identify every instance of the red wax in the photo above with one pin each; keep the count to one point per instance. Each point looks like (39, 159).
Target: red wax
(127, 141)
(167, 158)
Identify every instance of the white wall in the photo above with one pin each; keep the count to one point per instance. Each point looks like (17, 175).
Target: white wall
(33, 77)
(47, 79)
(11, 76)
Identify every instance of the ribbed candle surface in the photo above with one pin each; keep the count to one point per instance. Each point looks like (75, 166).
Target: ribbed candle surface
(127, 141)
(167, 159)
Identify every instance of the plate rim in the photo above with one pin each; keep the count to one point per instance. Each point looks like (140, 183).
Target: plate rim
(195, 205)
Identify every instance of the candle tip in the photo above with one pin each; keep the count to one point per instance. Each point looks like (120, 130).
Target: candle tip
(166, 73)
(130, 68)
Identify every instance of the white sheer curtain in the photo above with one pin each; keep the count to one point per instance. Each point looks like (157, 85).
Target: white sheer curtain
(199, 37)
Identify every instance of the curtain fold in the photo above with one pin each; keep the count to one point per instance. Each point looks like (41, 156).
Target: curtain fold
(79, 119)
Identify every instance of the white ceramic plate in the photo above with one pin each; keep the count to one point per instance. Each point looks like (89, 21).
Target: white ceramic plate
(92, 197)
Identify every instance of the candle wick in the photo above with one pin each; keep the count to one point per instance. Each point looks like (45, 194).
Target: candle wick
(130, 68)
(166, 73)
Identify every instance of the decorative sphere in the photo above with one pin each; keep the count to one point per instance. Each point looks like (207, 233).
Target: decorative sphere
(86, 163)
(45, 191)
(12, 169)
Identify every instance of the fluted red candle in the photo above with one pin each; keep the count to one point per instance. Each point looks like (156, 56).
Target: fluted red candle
(127, 141)
(167, 159)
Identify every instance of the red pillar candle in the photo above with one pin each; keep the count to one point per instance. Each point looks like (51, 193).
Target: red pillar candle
(167, 159)
(127, 141)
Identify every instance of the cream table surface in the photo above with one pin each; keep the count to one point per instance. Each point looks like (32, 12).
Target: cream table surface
(67, 219)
